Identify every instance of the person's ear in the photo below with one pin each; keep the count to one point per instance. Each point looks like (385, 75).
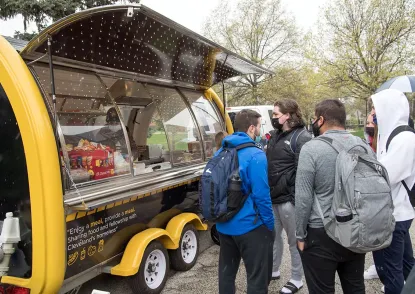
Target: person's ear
(250, 129)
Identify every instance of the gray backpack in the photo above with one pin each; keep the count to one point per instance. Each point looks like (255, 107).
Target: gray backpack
(361, 217)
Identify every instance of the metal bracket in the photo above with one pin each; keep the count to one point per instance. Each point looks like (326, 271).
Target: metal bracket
(130, 12)
(107, 269)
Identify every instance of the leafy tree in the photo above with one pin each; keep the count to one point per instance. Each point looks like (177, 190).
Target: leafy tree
(303, 83)
(24, 35)
(29, 9)
(42, 12)
(259, 30)
(365, 42)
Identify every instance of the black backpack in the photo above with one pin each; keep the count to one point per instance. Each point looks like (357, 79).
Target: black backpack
(395, 132)
(294, 138)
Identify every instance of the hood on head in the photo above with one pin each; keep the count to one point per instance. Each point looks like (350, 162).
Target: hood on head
(392, 110)
(236, 139)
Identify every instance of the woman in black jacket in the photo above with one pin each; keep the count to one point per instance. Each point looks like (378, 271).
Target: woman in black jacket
(282, 154)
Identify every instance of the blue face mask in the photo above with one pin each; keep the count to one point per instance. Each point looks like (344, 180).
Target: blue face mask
(258, 139)
(375, 119)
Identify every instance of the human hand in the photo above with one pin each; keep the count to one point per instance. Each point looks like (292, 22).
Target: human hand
(300, 245)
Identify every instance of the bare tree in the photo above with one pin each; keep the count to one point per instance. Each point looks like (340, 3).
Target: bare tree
(362, 43)
(259, 30)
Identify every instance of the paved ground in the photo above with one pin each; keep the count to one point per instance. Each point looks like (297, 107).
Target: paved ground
(202, 279)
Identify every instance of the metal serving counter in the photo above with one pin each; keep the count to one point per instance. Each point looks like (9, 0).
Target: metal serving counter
(93, 196)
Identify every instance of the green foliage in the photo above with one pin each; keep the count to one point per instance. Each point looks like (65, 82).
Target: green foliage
(158, 138)
(302, 83)
(44, 11)
(365, 43)
(24, 35)
(359, 133)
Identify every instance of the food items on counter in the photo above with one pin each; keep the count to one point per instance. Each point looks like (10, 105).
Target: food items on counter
(90, 146)
(80, 175)
(194, 147)
(188, 157)
(122, 166)
(143, 152)
(90, 160)
(94, 160)
(69, 147)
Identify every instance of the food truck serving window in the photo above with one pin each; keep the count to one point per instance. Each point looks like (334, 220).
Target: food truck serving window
(141, 116)
(182, 133)
(95, 144)
(207, 119)
(14, 187)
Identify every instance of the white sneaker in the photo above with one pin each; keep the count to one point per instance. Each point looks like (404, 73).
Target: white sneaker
(276, 275)
(371, 273)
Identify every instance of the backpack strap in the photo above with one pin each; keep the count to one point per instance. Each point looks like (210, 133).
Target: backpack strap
(240, 147)
(294, 138)
(397, 131)
(338, 146)
(333, 143)
(246, 145)
(394, 133)
(406, 187)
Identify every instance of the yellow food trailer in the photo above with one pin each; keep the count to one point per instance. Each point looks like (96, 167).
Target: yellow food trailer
(107, 118)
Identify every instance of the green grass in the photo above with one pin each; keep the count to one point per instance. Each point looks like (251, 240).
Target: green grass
(157, 138)
(359, 132)
(160, 138)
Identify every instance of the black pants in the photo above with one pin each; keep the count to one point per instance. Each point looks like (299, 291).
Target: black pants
(410, 283)
(322, 257)
(255, 248)
(394, 263)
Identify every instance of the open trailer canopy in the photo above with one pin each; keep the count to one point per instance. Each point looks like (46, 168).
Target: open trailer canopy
(135, 39)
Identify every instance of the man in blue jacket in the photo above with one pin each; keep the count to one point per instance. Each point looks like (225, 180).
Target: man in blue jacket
(249, 234)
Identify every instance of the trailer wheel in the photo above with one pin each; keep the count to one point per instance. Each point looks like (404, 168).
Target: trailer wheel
(153, 271)
(184, 257)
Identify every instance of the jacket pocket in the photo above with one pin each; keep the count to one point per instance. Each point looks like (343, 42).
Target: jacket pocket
(281, 188)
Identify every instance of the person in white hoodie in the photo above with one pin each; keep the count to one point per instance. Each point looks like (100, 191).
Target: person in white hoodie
(391, 110)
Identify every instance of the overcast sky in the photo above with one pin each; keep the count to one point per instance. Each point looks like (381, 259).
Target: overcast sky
(192, 13)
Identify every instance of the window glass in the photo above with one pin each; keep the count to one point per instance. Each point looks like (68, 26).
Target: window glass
(14, 187)
(207, 119)
(157, 142)
(182, 133)
(147, 137)
(91, 125)
(270, 114)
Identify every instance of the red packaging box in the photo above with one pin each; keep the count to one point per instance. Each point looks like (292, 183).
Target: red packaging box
(98, 163)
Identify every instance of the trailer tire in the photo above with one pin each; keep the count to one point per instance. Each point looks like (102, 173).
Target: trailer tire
(185, 257)
(153, 271)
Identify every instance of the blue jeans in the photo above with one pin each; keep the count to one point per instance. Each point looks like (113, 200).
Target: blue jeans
(395, 262)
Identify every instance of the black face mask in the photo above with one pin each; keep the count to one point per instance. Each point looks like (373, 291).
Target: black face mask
(370, 131)
(316, 128)
(276, 123)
